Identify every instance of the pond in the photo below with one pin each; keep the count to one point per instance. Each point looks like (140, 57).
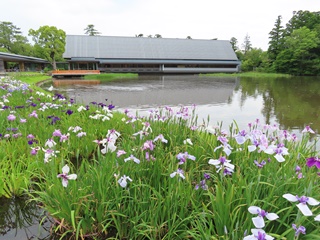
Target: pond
(291, 102)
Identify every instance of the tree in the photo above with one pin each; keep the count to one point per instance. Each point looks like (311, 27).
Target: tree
(254, 60)
(157, 36)
(301, 19)
(189, 37)
(49, 43)
(276, 36)
(234, 43)
(300, 56)
(139, 35)
(12, 40)
(89, 30)
(247, 46)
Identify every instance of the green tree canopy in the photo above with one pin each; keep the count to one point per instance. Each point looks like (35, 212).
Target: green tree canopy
(12, 40)
(89, 30)
(49, 43)
(276, 39)
(234, 43)
(300, 56)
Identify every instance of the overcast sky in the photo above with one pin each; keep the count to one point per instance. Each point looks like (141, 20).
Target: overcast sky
(200, 19)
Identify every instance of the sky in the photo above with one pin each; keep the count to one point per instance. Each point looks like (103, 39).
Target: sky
(199, 19)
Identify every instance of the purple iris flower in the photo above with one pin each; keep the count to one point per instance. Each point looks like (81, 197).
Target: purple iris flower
(12, 129)
(313, 161)
(261, 164)
(102, 105)
(202, 184)
(53, 119)
(300, 229)
(110, 106)
(18, 107)
(69, 112)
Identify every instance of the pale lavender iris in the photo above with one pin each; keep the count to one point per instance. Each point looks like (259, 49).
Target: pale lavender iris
(179, 173)
(222, 163)
(303, 200)
(133, 158)
(259, 220)
(308, 129)
(182, 157)
(11, 117)
(123, 181)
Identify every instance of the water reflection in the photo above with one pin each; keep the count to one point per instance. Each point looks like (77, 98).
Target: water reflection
(291, 102)
(20, 220)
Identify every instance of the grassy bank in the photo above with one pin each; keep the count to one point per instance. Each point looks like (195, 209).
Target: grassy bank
(248, 74)
(110, 76)
(105, 174)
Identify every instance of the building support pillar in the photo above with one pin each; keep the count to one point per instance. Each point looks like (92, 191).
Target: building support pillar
(2, 68)
(21, 66)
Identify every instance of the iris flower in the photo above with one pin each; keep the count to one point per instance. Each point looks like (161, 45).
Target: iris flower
(123, 181)
(179, 172)
(161, 138)
(11, 117)
(303, 200)
(313, 161)
(317, 218)
(50, 143)
(222, 163)
(136, 160)
(308, 129)
(184, 156)
(259, 221)
(121, 152)
(188, 140)
(298, 230)
(65, 177)
(258, 234)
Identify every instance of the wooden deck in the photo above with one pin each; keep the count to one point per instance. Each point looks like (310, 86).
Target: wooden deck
(69, 73)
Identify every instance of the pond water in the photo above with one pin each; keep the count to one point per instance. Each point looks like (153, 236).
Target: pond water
(291, 102)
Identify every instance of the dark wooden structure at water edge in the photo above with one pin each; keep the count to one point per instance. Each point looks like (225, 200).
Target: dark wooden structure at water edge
(23, 63)
(149, 55)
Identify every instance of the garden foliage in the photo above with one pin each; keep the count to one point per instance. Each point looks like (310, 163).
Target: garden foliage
(100, 173)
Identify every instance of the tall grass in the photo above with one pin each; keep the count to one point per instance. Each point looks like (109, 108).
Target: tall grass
(166, 196)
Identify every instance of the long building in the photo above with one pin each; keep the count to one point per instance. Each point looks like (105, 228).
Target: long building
(149, 55)
(23, 63)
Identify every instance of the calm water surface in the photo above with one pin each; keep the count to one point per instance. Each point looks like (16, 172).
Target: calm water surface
(292, 103)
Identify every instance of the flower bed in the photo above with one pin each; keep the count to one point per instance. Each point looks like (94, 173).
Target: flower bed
(103, 174)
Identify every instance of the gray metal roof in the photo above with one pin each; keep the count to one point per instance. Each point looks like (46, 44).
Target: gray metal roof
(20, 58)
(108, 47)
